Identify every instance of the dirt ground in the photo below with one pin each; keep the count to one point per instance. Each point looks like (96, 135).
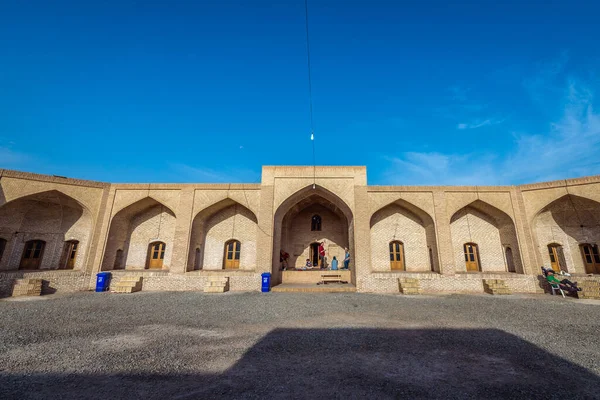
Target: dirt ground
(286, 345)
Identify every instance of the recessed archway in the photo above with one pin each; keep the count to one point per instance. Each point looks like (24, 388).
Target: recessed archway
(51, 217)
(293, 233)
(217, 225)
(570, 221)
(131, 232)
(407, 223)
(492, 230)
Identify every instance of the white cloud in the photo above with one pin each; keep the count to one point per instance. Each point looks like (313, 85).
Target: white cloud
(570, 147)
(478, 123)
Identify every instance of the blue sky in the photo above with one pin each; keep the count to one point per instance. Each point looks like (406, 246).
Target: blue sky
(208, 91)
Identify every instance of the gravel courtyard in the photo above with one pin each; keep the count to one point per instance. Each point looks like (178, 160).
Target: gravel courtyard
(285, 345)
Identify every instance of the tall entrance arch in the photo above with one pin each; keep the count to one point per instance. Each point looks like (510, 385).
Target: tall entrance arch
(295, 231)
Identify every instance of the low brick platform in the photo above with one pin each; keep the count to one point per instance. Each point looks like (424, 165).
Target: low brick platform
(312, 276)
(27, 287)
(308, 287)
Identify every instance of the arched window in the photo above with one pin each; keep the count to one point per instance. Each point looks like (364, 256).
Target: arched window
(471, 256)
(69, 254)
(2, 247)
(231, 259)
(32, 254)
(156, 255)
(397, 255)
(555, 253)
(315, 223)
(591, 258)
(510, 262)
(118, 260)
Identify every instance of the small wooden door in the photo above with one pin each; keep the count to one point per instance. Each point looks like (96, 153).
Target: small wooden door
(510, 262)
(2, 247)
(591, 258)
(32, 255)
(156, 255)
(232, 255)
(397, 256)
(314, 254)
(471, 257)
(554, 253)
(70, 254)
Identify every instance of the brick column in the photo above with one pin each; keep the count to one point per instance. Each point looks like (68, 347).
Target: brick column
(443, 234)
(527, 247)
(99, 243)
(183, 228)
(362, 237)
(264, 240)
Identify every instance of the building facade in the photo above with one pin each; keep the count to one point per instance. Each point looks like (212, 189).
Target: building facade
(176, 236)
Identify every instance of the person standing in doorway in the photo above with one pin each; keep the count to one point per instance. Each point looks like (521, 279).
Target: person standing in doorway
(322, 255)
(346, 258)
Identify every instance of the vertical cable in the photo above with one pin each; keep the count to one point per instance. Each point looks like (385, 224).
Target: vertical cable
(310, 97)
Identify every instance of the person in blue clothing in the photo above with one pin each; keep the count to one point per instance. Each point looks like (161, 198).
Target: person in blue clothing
(334, 264)
(346, 259)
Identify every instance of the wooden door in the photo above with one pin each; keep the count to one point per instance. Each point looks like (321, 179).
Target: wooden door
(2, 247)
(157, 255)
(397, 256)
(314, 254)
(70, 254)
(591, 258)
(510, 262)
(553, 252)
(232, 255)
(32, 255)
(471, 257)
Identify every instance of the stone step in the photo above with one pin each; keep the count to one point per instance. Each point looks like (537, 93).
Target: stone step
(496, 287)
(216, 284)
(409, 286)
(27, 287)
(128, 284)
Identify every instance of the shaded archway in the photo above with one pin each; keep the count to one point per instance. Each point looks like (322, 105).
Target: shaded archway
(569, 221)
(293, 231)
(132, 230)
(51, 217)
(405, 222)
(216, 225)
(492, 230)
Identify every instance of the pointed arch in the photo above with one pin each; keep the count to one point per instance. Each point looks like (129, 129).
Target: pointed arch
(570, 221)
(492, 229)
(213, 226)
(403, 221)
(292, 233)
(133, 228)
(51, 216)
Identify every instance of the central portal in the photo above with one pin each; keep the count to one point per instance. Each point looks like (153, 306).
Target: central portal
(302, 223)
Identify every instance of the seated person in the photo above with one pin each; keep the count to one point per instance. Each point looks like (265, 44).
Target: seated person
(334, 264)
(308, 264)
(565, 284)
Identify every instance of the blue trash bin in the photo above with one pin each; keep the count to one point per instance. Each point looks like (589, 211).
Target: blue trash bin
(266, 282)
(102, 281)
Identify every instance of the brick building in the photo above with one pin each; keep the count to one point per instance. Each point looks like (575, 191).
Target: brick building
(176, 236)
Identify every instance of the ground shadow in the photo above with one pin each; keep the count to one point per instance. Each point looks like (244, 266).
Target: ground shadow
(346, 363)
